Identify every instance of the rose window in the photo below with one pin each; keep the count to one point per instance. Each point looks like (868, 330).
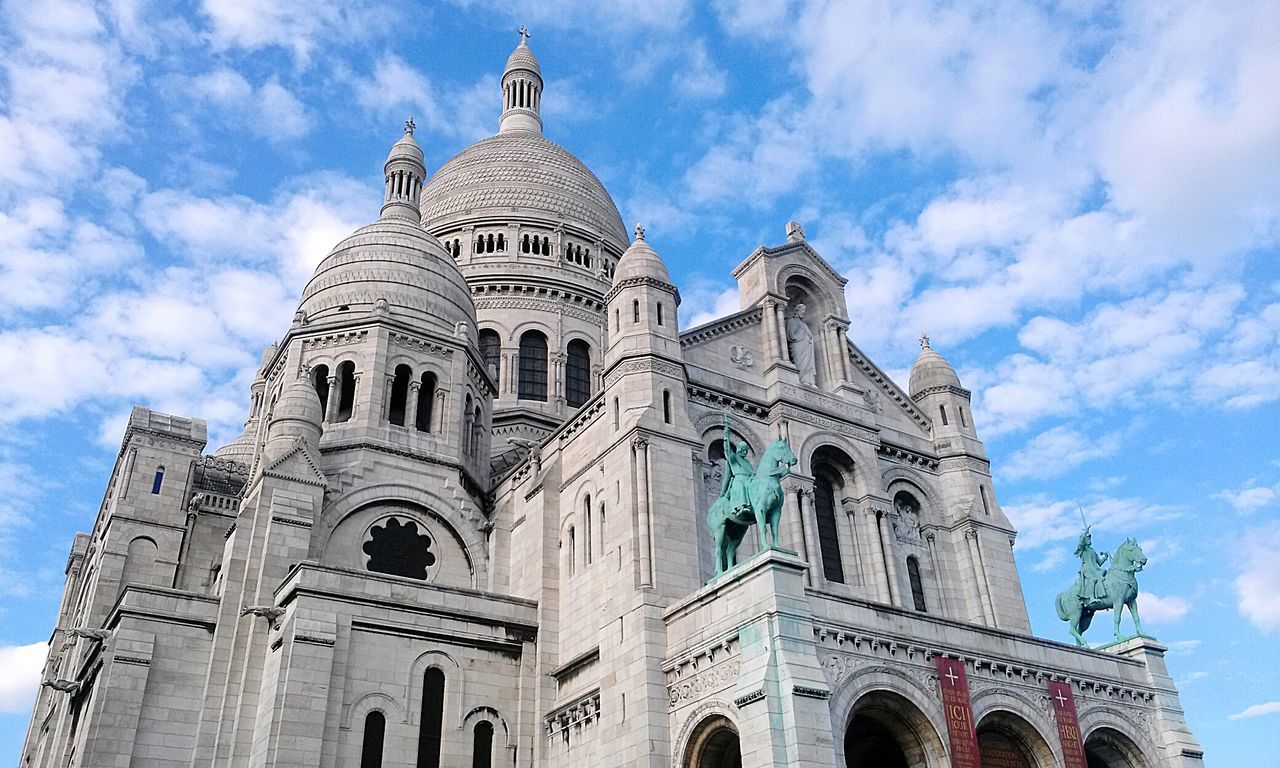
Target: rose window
(397, 547)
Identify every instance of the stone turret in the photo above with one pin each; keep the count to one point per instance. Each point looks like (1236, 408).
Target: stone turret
(521, 90)
(405, 173)
(935, 387)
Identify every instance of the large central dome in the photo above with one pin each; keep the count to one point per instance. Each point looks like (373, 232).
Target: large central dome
(520, 174)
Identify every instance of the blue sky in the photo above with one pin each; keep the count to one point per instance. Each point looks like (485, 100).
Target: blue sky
(1080, 202)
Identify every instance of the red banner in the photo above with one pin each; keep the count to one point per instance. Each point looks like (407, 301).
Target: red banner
(1064, 710)
(959, 711)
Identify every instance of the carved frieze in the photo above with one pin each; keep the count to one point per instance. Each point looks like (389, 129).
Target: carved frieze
(703, 682)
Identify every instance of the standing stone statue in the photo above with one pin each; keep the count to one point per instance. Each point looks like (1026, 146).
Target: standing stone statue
(748, 496)
(1098, 590)
(800, 343)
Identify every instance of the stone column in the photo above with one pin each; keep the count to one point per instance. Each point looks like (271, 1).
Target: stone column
(780, 326)
(846, 365)
(890, 558)
(979, 579)
(770, 331)
(411, 405)
(640, 447)
(437, 413)
(931, 538)
(813, 549)
(557, 363)
(794, 526)
(335, 397)
(355, 392)
(850, 523)
(386, 398)
(877, 575)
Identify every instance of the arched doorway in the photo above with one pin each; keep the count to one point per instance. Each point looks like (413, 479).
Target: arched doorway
(714, 745)
(1108, 748)
(1006, 740)
(887, 731)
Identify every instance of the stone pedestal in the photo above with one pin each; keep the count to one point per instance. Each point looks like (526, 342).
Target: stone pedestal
(1180, 746)
(781, 692)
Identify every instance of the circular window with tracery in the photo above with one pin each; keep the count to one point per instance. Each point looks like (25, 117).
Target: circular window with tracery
(397, 547)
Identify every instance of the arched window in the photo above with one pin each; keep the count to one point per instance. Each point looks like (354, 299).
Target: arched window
(659, 313)
(617, 320)
(467, 421)
(573, 551)
(432, 719)
(375, 730)
(158, 481)
(482, 745)
(635, 311)
(824, 507)
(347, 388)
(533, 366)
(942, 411)
(963, 421)
(524, 244)
(586, 529)
(577, 373)
(666, 406)
(320, 379)
(917, 585)
(477, 432)
(491, 351)
(502, 243)
(615, 413)
(139, 563)
(426, 402)
(399, 395)
(586, 258)
(546, 246)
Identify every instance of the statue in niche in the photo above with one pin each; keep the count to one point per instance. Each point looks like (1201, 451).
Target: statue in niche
(800, 342)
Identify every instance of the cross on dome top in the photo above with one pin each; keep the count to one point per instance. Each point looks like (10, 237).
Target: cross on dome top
(524, 35)
(639, 231)
(410, 126)
(924, 340)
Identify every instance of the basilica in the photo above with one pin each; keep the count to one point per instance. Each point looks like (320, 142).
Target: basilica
(466, 524)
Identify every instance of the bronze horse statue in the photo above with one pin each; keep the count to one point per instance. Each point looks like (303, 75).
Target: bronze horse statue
(749, 497)
(1077, 605)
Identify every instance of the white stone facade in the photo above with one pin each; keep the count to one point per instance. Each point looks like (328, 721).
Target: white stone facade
(464, 525)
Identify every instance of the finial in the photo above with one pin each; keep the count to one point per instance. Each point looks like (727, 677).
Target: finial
(410, 126)
(524, 35)
(924, 340)
(639, 231)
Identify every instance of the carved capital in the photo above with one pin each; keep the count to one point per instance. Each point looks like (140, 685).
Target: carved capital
(640, 442)
(971, 533)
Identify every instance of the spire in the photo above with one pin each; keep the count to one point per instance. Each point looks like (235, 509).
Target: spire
(521, 90)
(924, 340)
(405, 173)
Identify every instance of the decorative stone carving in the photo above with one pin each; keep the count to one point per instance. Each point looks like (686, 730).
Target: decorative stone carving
(741, 356)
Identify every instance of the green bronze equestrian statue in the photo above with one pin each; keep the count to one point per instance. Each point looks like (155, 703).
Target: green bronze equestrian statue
(748, 496)
(1098, 590)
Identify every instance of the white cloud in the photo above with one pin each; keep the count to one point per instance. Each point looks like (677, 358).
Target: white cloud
(395, 90)
(20, 667)
(1250, 498)
(1184, 647)
(300, 27)
(1161, 610)
(1258, 583)
(269, 110)
(1041, 520)
(705, 303)
(697, 76)
(1058, 450)
(1256, 710)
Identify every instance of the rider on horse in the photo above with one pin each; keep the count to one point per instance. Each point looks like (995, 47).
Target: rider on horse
(1091, 573)
(737, 475)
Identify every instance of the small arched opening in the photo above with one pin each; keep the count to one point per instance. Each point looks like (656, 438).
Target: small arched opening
(491, 350)
(399, 394)
(533, 366)
(426, 402)
(714, 744)
(577, 373)
(832, 475)
(320, 380)
(347, 390)
(1108, 748)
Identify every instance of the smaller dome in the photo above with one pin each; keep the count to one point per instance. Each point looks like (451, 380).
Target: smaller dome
(240, 449)
(640, 261)
(406, 148)
(931, 370)
(298, 402)
(522, 58)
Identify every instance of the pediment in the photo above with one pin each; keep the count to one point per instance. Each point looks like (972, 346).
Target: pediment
(301, 464)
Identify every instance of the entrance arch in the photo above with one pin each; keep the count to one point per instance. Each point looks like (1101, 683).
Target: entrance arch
(1007, 740)
(886, 730)
(1108, 748)
(714, 744)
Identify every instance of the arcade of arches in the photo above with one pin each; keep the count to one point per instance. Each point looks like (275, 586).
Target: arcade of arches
(887, 731)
